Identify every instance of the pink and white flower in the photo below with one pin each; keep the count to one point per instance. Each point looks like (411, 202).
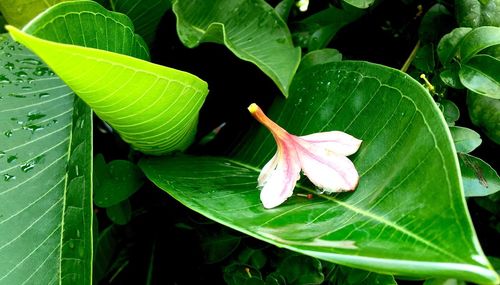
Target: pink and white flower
(320, 156)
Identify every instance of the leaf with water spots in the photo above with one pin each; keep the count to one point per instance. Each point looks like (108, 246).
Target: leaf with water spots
(407, 216)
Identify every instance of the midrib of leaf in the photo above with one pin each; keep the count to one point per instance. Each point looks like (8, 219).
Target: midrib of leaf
(356, 210)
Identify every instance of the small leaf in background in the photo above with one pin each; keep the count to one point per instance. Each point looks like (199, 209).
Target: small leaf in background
(424, 59)
(120, 213)
(300, 269)
(320, 56)
(105, 249)
(476, 13)
(251, 29)
(342, 275)
(362, 4)
(436, 22)
(478, 177)
(20, 12)
(490, 204)
(240, 274)
(116, 182)
(450, 76)
(275, 279)
(217, 245)
(283, 9)
(253, 257)
(316, 31)
(483, 112)
(481, 74)
(449, 45)
(152, 107)
(465, 139)
(450, 111)
(146, 14)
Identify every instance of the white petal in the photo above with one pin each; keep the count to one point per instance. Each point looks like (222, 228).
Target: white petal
(281, 181)
(335, 141)
(267, 170)
(330, 172)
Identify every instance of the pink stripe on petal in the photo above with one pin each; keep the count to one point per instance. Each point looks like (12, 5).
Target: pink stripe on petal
(335, 141)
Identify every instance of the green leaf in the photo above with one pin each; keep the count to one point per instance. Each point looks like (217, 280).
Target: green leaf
(362, 4)
(116, 183)
(146, 14)
(481, 74)
(68, 23)
(342, 275)
(450, 76)
(466, 140)
(477, 40)
(251, 29)
(20, 12)
(438, 281)
(476, 13)
(436, 22)
(450, 111)
(449, 45)
(407, 216)
(316, 31)
(121, 213)
(321, 56)
(253, 257)
(106, 248)
(217, 245)
(299, 269)
(283, 9)
(424, 59)
(239, 274)
(483, 112)
(172, 98)
(46, 187)
(479, 178)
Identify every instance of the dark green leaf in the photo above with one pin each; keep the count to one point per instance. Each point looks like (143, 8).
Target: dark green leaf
(146, 14)
(360, 3)
(350, 276)
(449, 45)
(316, 31)
(275, 279)
(120, 213)
(253, 257)
(439, 281)
(478, 177)
(251, 29)
(390, 223)
(483, 112)
(481, 74)
(476, 13)
(106, 248)
(450, 111)
(299, 269)
(450, 76)
(466, 140)
(118, 181)
(45, 186)
(283, 8)
(321, 56)
(435, 23)
(218, 245)
(424, 59)
(477, 40)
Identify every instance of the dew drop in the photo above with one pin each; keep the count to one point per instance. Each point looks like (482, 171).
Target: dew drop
(9, 66)
(21, 73)
(8, 177)
(2, 154)
(4, 79)
(17, 95)
(11, 158)
(33, 128)
(8, 133)
(34, 115)
(43, 95)
(31, 61)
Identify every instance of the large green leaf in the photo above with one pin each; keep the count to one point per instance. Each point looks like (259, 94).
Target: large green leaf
(20, 12)
(46, 187)
(251, 29)
(146, 14)
(476, 13)
(407, 216)
(152, 107)
(481, 74)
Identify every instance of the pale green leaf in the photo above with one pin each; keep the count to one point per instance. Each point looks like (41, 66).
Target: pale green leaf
(20, 12)
(407, 216)
(360, 3)
(251, 29)
(152, 107)
(479, 178)
(465, 139)
(477, 40)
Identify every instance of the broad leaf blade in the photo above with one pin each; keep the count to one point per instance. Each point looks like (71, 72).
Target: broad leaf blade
(146, 14)
(407, 215)
(251, 29)
(481, 74)
(20, 12)
(45, 190)
(152, 107)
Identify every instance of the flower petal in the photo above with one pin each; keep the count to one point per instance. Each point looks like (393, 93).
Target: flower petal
(327, 170)
(267, 170)
(281, 180)
(335, 141)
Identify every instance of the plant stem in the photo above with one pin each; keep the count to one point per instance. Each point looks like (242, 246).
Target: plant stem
(411, 57)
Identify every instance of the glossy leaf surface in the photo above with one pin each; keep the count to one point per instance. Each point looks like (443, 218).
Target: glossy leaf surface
(481, 74)
(479, 178)
(152, 107)
(251, 29)
(408, 214)
(45, 185)
(20, 12)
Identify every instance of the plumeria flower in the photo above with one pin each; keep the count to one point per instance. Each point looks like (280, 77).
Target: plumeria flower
(321, 157)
